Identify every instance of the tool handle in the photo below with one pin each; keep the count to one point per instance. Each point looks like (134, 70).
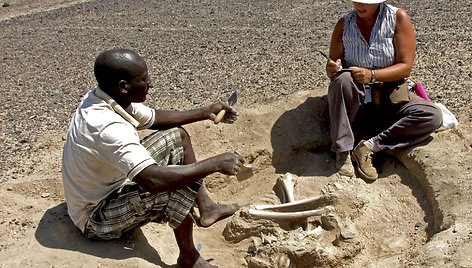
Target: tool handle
(219, 116)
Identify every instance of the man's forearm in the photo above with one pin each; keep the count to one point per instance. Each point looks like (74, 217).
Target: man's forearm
(158, 179)
(169, 118)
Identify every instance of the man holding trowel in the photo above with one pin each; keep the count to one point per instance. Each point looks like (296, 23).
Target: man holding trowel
(113, 182)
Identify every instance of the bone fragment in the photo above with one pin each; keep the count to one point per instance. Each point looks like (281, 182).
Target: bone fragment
(283, 261)
(315, 232)
(287, 182)
(245, 172)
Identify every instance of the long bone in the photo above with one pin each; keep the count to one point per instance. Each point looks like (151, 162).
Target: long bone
(290, 209)
(299, 205)
(274, 215)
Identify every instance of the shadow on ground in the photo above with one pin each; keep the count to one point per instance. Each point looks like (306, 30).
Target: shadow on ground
(300, 135)
(56, 230)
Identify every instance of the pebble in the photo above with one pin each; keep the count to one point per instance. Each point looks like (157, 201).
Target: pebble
(418, 225)
(347, 233)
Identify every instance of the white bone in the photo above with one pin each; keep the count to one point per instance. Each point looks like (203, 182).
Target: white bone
(303, 204)
(271, 215)
(287, 183)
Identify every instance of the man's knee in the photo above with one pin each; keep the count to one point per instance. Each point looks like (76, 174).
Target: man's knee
(184, 135)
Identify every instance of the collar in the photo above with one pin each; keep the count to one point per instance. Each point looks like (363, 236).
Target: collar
(116, 107)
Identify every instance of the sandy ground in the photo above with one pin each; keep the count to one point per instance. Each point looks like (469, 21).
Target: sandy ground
(418, 214)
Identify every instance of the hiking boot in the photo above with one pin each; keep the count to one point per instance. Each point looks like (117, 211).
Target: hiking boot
(363, 158)
(344, 164)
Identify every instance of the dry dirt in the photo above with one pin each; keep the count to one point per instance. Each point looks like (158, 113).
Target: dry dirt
(418, 214)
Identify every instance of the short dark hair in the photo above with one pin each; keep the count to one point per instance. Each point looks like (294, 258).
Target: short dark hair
(112, 66)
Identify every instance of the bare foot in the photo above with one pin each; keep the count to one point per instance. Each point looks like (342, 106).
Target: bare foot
(199, 263)
(217, 213)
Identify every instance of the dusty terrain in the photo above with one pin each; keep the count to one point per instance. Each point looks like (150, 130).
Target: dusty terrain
(418, 214)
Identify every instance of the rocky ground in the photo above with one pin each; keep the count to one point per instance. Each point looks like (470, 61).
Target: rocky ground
(417, 215)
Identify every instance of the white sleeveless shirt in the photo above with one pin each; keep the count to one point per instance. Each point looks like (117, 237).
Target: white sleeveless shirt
(379, 51)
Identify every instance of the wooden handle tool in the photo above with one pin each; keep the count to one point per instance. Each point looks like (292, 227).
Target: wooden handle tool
(231, 101)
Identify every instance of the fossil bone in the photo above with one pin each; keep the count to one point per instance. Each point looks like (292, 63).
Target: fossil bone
(299, 205)
(291, 209)
(273, 215)
(286, 183)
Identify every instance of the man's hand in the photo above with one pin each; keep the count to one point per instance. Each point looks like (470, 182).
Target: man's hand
(229, 163)
(231, 114)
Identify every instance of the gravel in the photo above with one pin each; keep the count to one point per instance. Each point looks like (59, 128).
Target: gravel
(198, 51)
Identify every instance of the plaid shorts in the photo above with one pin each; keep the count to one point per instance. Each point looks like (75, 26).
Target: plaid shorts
(131, 206)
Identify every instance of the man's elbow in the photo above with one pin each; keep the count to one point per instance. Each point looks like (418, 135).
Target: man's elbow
(146, 180)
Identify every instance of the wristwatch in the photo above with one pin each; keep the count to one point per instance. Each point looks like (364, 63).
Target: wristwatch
(372, 78)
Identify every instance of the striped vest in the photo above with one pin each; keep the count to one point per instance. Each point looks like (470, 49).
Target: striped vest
(379, 51)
